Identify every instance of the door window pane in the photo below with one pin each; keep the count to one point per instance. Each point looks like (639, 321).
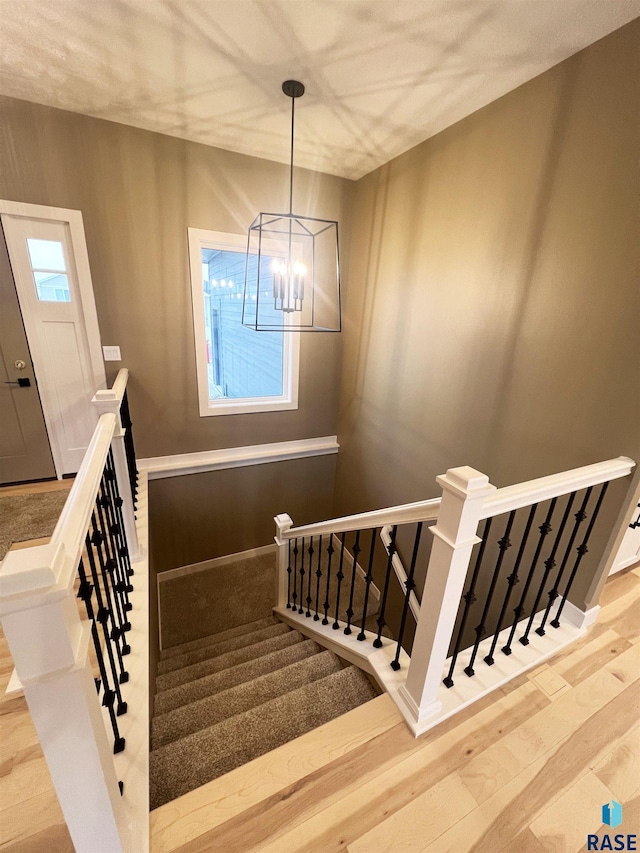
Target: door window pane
(46, 255)
(52, 287)
(49, 268)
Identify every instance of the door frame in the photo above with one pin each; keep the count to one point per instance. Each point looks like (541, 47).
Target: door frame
(73, 218)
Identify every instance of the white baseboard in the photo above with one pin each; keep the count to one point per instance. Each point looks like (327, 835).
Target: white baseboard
(580, 618)
(216, 561)
(158, 467)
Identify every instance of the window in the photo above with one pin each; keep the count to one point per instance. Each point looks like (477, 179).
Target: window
(239, 370)
(49, 270)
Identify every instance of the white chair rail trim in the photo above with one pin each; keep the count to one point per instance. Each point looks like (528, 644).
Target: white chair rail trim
(158, 467)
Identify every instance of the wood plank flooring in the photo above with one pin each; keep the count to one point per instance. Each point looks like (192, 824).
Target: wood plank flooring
(526, 769)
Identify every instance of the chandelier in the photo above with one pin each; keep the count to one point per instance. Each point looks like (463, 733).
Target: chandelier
(292, 272)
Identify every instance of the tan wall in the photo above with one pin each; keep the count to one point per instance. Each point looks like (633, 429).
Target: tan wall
(492, 313)
(201, 516)
(138, 192)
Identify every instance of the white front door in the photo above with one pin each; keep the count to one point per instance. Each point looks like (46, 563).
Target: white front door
(50, 267)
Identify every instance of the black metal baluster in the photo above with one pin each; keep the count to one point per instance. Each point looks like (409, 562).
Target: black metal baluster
(582, 550)
(129, 448)
(123, 546)
(503, 544)
(469, 599)
(354, 567)
(553, 594)
(85, 593)
(512, 580)
(340, 577)
(549, 564)
(302, 573)
(117, 634)
(326, 605)
(294, 597)
(310, 551)
(289, 576)
(545, 529)
(121, 583)
(367, 579)
(111, 564)
(636, 523)
(318, 577)
(103, 616)
(409, 586)
(383, 603)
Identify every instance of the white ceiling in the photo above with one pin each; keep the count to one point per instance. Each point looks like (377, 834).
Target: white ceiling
(381, 75)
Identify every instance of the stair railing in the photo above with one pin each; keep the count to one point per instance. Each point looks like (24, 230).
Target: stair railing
(71, 658)
(550, 519)
(115, 400)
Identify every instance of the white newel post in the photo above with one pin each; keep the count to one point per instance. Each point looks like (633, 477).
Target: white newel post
(49, 644)
(464, 491)
(109, 401)
(283, 523)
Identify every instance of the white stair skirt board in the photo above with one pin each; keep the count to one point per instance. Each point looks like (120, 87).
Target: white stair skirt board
(465, 690)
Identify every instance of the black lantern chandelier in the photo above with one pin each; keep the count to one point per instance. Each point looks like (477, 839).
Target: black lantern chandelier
(292, 274)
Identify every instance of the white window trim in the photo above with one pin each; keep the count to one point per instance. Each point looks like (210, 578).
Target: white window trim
(200, 238)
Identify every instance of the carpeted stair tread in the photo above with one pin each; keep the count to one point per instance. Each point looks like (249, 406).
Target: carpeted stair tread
(239, 674)
(228, 703)
(192, 761)
(217, 649)
(210, 639)
(211, 665)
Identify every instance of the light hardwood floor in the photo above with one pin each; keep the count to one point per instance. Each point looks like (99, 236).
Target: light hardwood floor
(527, 769)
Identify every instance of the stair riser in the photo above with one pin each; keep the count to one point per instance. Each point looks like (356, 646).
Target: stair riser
(192, 761)
(172, 651)
(208, 667)
(167, 728)
(202, 687)
(217, 649)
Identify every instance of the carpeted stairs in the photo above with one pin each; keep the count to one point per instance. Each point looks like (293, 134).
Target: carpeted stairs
(229, 697)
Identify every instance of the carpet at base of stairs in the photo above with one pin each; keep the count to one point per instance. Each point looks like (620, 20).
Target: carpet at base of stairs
(239, 694)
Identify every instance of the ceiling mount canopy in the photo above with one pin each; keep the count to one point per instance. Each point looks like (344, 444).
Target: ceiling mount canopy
(292, 272)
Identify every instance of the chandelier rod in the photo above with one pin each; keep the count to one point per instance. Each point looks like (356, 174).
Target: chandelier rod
(292, 89)
(293, 105)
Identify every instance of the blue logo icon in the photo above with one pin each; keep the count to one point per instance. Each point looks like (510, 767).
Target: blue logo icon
(612, 814)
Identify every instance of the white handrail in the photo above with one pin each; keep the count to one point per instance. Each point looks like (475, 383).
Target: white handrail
(110, 400)
(544, 488)
(73, 522)
(402, 514)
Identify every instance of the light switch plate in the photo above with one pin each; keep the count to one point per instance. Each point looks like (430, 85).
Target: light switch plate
(111, 353)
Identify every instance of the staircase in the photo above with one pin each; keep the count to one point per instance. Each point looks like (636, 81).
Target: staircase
(229, 697)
